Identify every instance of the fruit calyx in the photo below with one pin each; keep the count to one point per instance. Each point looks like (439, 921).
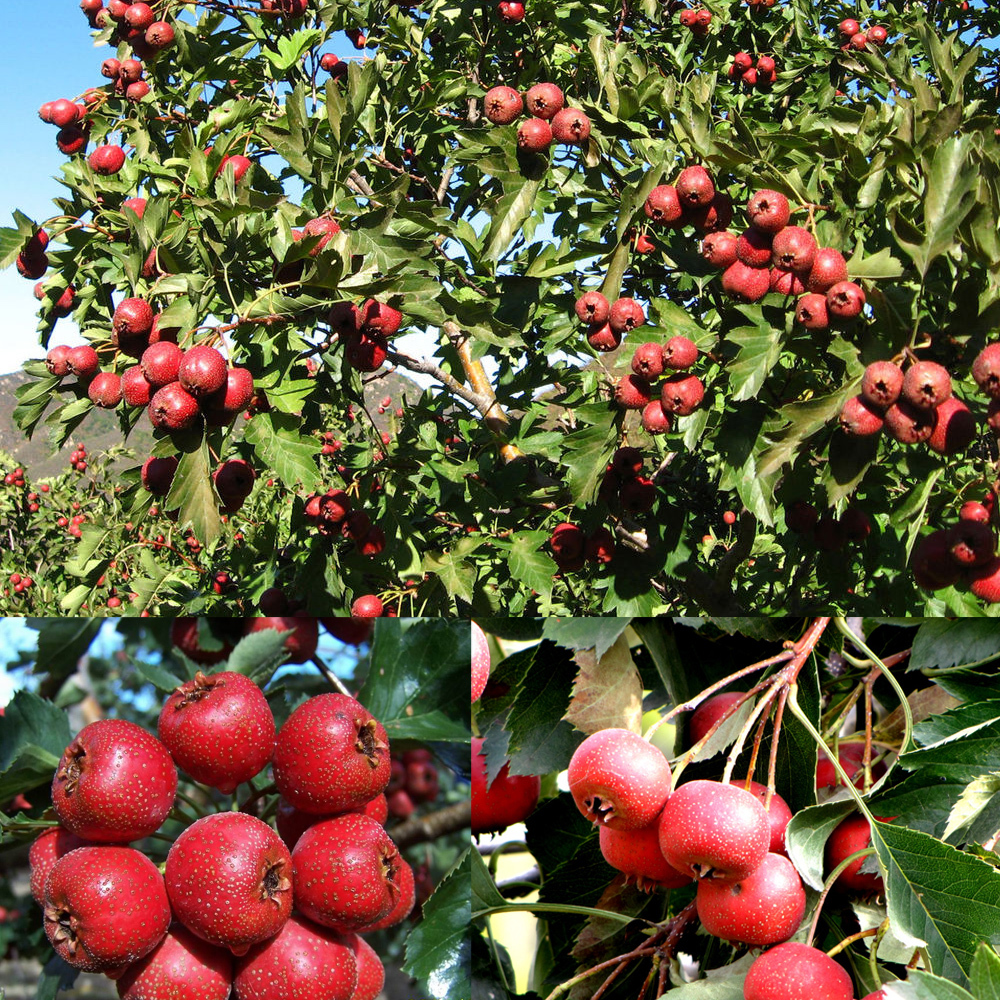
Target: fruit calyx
(368, 742)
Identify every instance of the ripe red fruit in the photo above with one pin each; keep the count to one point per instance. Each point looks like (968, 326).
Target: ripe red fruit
(82, 362)
(202, 371)
(480, 661)
(49, 846)
(859, 419)
(544, 100)
(794, 971)
(754, 248)
(827, 269)
(637, 854)
(326, 735)
(746, 284)
(663, 206)
(764, 908)
(115, 783)
(567, 541)
(593, 308)
(62, 113)
(655, 420)
(301, 962)
(859, 41)
(229, 879)
(786, 282)
(984, 582)
(926, 385)
(349, 630)
(955, 428)
(105, 390)
(157, 477)
(239, 164)
(648, 361)
(742, 61)
(877, 35)
(534, 135)
(714, 831)
(346, 872)
(603, 338)
(810, 311)
(717, 215)
(932, 566)
(173, 409)
(709, 712)
(986, 370)
(778, 815)
(504, 802)
(682, 394)
(180, 965)
(234, 481)
(719, 249)
(130, 71)
(160, 363)
(371, 972)
(694, 187)
(105, 907)
(882, 383)
(570, 125)
(638, 495)
(301, 641)
(136, 390)
(856, 523)
(632, 392)
(679, 353)
(511, 11)
(909, 424)
(794, 249)
(626, 314)
(844, 300)
(618, 779)
(973, 510)
(107, 160)
(971, 543)
(848, 27)
(502, 105)
(234, 396)
(159, 35)
(853, 834)
(600, 546)
(219, 729)
(377, 318)
(768, 210)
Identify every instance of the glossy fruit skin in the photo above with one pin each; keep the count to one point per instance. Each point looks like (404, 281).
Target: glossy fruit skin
(302, 962)
(349, 630)
(235, 395)
(632, 392)
(679, 353)
(926, 385)
(331, 735)
(708, 713)
(480, 661)
(105, 907)
(714, 830)
(406, 896)
(132, 318)
(768, 210)
(181, 965)
(219, 729)
(681, 395)
(618, 779)
(853, 834)
(173, 409)
(229, 879)
(955, 429)
(778, 814)
(794, 971)
(719, 249)
(136, 390)
(637, 854)
(46, 849)
(971, 543)
(107, 160)
(570, 125)
(346, 872)
(882, 383)
(909, 424)
(56, 361)
(827, 269)
(544, 100)
(82, 362)
(764, 908)
(986, 370)
(105, 390)
(694, 187)
(115, 783)
(502, 105)
(753, 247)
(786, 282)
(508, 800)
(378, 318)
(810, 311)
(234, 481)
(160, 363)
(302, 638)
(202, 370)
(371, 972)
(655, 420)
(794, 248)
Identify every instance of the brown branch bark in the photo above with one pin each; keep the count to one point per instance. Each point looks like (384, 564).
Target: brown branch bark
(420, 829)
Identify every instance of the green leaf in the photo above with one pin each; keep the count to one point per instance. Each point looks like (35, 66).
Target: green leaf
(878, 267)
(485, 895)
(806, 836)
(191, 491)
(529, 565)
(986, 973)
(725, 983)
(512, 210)
(258, 655)
(281, 447)
(61, 642)
(161, 678)
(33, 735)
(759, 350)
(920, 985)
(944, 644)
(438, 949)
(583, 633)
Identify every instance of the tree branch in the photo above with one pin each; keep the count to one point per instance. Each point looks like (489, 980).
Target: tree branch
(420, 829)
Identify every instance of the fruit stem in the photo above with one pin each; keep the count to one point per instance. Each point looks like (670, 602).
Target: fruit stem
(197, 807)
(772, 763)
(331, 678)
(258, 793)
(850, 939)
(828, 885)
(182, 817)
(737, 748)
(617, 960)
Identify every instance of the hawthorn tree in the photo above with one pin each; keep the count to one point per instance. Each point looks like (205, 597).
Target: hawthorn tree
(302, 211)
(73, 678)
(879, 873)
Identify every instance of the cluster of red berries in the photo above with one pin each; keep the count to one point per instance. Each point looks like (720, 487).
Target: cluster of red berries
(762, 76)
(624, 485)
(608, 323)
(78, 457)
(126, 77)
(365, 331)
(854, 38)
(233, 480)
(680, 395)
(828, 533)
(691, 200)
(19, 583)
(414, 781)
(291, 9)
(915, 407)
(61, 306)
(331, 514)
(550, 121)
(136, 25)
(964, 553)
(32, 262)
(511, 11)
(15, 478)
(697, 20)
(572, 546)
(220, 915)
(334, 65)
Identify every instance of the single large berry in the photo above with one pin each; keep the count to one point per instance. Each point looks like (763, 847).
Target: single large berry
(794, 249)
(202, 371)
(378, 318)
(626, 314)
(926, 384)
(859, 418)
(679, 353)
(719, 249)
(406, 896)
(637, 854)
(534, 135)
(544, 100)
(794, 971)
(845, 300)
(346, 872)
(972, 544)
(229, 879)
(502, 105)
(107, 160)
(219, 729)
(371, 972)
(986, 370)
(504, 802)
(83, 362)
(910, 424)
(480, 661)
(753, 247)
(764, 908)
(618, 779)
(328, 735)
(663, 206)
(714, 830)
(302, 962)
(47, 848)
(160, 363)
(767, 210)
(132, 318)
(592, 308)
(985, 582)
(115, 783)
(181, 965)
(827, 269)
(136, 390)
(105, 390)
(681, 395)
(811, 312)
(105, 907)
(301, 639)
(234, 481)
(882, 383)
(955, 428)
(694, 187)
(352, 631)
(853, 834)
(570, 125)
(172, 408)
(778, 813)
(234, 396)
(744, 283)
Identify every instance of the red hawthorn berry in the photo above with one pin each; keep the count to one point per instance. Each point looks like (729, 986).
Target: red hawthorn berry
(181, 965)
(507, 800)
(405, 899)
(302, 637)
(49, 846)
(371, 972)
(637, 854)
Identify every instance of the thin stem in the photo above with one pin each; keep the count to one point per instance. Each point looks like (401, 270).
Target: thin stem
(828, 885)
(196, 806)
(570, 983)
(737, 748)
(850, 939)
(331, 678)
(178, 814)
(258, 793)
(772, 764)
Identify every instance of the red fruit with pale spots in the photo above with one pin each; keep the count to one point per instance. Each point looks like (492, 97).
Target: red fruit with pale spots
(764, 908)
(877, 35)
(181, 965)
(647, 361)
(229, 879)
(709, 712)
(679, 353)
(768, 210)
(346, 873)
(157, 477)
(714, 831)
(663, 206)
(882, 383)
(848, 27)
(507, 800)
(331, 734)
(955, 429)
(859, 419)
(845, 300)
(694, 187)
(794, 249)
(534, 135)
(302, 962)
(136, 390)
(909, 424)
(105, 390)
(82, 362)
(371, 972)
(626, 314)
(105, 908)
(681, 395)
(115, 783)
(219, 729)
(754, 248)
(301, 640)
(745, 284)
(853, 834)
(794, 971)
(742, 61)
(233, 397)
(714, 216)
(637, 854)
(618, 779)
(159, 35)
(239, 165)
(48, 847)
(71, 139)
(859, 42)
(926, 385)
(632, 392)
(570, 126)
(480, 661)
(184, 632)
(778, 814)
(202, 371)
(786, 282)
(367, 606)
(405, 899)
(593, 308)
(810, 311)
(719, 249)
(828, 267)
(502, 105)
(544, 100)
(655, 420)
